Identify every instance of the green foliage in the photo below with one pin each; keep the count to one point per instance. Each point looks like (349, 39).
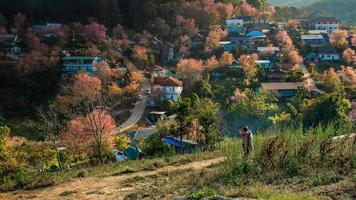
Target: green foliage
(326, 108)
(291, 151)
(255, 104)
(295, 75)
(121, 142)
(202, 87)
(4, 133)
(184, 115)
(282, 119)
(258, 4)
(207, 114)
(154, 146)
(82, 174)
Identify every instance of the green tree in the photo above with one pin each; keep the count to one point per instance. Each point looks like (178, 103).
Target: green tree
(326, 108)
(207, 113)
(254, 104)
(295, 75)
(202, 87)
(121, 142)
(184, 115)
(4, 133)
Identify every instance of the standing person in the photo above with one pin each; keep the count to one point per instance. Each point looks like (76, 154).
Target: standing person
(247, 140)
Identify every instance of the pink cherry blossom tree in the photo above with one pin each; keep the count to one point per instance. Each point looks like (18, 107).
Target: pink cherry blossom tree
(93, 134)
(95, 32)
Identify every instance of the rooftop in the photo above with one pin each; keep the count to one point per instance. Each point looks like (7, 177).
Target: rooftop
(263, 61)
(317, 32)
(283, 86)
(326, 50)
(324, 19)
(267, 48)
(167, 81)
(312, 37)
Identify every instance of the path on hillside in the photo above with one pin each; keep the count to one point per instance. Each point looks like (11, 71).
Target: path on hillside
(138, 111)
(140, 106)
(102, 187)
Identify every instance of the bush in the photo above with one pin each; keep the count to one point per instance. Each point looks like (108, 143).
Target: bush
(82, 174)
(121, 142)
(54, 168)
(153, 145)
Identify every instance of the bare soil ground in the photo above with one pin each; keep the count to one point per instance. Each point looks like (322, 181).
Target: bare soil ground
(111, 187)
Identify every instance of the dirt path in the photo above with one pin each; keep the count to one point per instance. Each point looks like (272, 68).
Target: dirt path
(101, 187)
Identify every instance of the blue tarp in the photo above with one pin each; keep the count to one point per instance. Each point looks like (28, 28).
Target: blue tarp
(184, 146)
(178, 143)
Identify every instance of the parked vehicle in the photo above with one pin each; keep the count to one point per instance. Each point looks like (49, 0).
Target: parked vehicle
(148, 92)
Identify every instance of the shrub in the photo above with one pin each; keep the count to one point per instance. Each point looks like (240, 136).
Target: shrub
(82, 174)
(54, 168)
(121, 142)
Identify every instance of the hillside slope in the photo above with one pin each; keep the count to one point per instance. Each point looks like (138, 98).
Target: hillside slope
(296, 3)
(342, 9)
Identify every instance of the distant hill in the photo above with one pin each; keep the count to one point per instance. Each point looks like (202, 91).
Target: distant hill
(296, 3)
(344, 10)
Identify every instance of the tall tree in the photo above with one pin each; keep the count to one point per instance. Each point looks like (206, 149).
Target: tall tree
(93, 134)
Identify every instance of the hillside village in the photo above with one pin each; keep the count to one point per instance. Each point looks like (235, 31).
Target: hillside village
(182, 81)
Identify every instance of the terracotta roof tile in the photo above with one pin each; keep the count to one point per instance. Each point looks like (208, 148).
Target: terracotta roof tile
(167, 81)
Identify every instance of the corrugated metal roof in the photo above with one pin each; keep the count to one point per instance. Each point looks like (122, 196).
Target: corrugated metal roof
(283, 86)
(312, 37)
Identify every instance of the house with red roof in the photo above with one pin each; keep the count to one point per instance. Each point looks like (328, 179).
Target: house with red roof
(325, 23)
(168, 88)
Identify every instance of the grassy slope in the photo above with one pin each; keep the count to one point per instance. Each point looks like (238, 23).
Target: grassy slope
(294, 165)
(297, 168)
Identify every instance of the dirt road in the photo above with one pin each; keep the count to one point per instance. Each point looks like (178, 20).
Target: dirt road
(101, 187)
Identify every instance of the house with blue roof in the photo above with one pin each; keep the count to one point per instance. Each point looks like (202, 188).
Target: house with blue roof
(255, 34)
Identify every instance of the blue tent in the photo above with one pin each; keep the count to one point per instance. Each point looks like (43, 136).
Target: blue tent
(132, 153)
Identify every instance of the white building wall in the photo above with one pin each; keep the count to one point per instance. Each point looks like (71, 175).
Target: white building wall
(327, 27)
(171, 92)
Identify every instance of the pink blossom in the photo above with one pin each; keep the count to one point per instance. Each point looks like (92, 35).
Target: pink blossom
(238, 95)
(95, 32)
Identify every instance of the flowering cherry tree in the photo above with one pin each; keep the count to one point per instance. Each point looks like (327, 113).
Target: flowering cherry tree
(86, 87)
(348, 55)
(93, 134)
(338, 38)
(95, 32)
